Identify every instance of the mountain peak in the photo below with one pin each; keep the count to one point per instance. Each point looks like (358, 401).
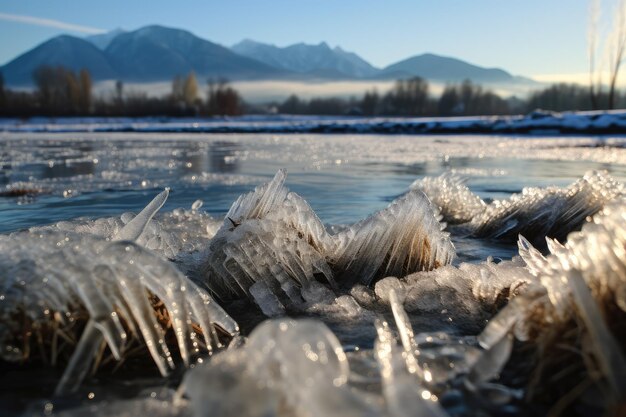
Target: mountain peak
(69, 51)
(323, 45)
(102, 40)
(307, 59)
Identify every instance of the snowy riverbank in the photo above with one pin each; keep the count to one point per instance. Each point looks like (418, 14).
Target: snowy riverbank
(535, 123)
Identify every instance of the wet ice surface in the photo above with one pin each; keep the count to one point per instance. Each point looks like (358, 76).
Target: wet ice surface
(343, 177)
(55, 177)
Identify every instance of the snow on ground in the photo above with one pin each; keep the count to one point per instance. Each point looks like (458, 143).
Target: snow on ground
(535, 123)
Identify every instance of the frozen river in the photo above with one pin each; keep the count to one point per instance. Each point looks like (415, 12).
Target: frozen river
(51, 177)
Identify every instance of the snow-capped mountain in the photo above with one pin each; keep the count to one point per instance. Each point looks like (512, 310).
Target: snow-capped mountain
(304, 58)
(157, 53)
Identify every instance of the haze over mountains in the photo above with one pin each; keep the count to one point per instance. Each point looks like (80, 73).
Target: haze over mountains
(156, 53)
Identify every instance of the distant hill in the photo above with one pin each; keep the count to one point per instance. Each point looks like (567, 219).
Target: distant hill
(71, 52)
(441, 68)
(157, 53)
(304, 58)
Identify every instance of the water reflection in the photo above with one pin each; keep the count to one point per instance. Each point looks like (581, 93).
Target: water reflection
(198, 158)
(60, 169)
(224, 157)
(193, 159)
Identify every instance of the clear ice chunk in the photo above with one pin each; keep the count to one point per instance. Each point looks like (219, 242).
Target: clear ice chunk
(297, 367)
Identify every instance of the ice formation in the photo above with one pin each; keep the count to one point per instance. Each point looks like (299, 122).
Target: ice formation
(577, 298)
(68, 291)
(273, 248)
(71, 289)
(176, 235)
(535, 213)
(458, 204)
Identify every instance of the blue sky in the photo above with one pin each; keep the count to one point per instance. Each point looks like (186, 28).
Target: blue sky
(530, 37)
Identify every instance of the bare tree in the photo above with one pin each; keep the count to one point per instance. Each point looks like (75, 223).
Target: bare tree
(85, 91)
(2, 93)
(222, 99)
(595, 76)
(617, 42)
(612, 44)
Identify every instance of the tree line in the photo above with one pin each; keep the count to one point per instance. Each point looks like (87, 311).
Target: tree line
(62, 92)
(412, 98)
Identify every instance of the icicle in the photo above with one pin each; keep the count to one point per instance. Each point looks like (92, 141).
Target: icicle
(535, 261)
(266, 300)
(58, 278)
(404, 238)
(273, 237)
(403, 394)
(491, 361)
(535, 213)
(500, 326)
(138, 224)
(81, 359)
(606, 351)
(407, 337)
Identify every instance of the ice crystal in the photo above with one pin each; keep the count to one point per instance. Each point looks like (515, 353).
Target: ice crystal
(272, 236)
(448, 191)
(534, 213)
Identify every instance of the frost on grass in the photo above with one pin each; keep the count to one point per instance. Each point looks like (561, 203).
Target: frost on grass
(534, 213)
(67, 294)
(573, 312)
(274, 249)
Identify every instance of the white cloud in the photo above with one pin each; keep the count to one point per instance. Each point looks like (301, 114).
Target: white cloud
(37, 21)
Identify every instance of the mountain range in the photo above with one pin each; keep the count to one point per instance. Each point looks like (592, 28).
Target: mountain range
(157, 53)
